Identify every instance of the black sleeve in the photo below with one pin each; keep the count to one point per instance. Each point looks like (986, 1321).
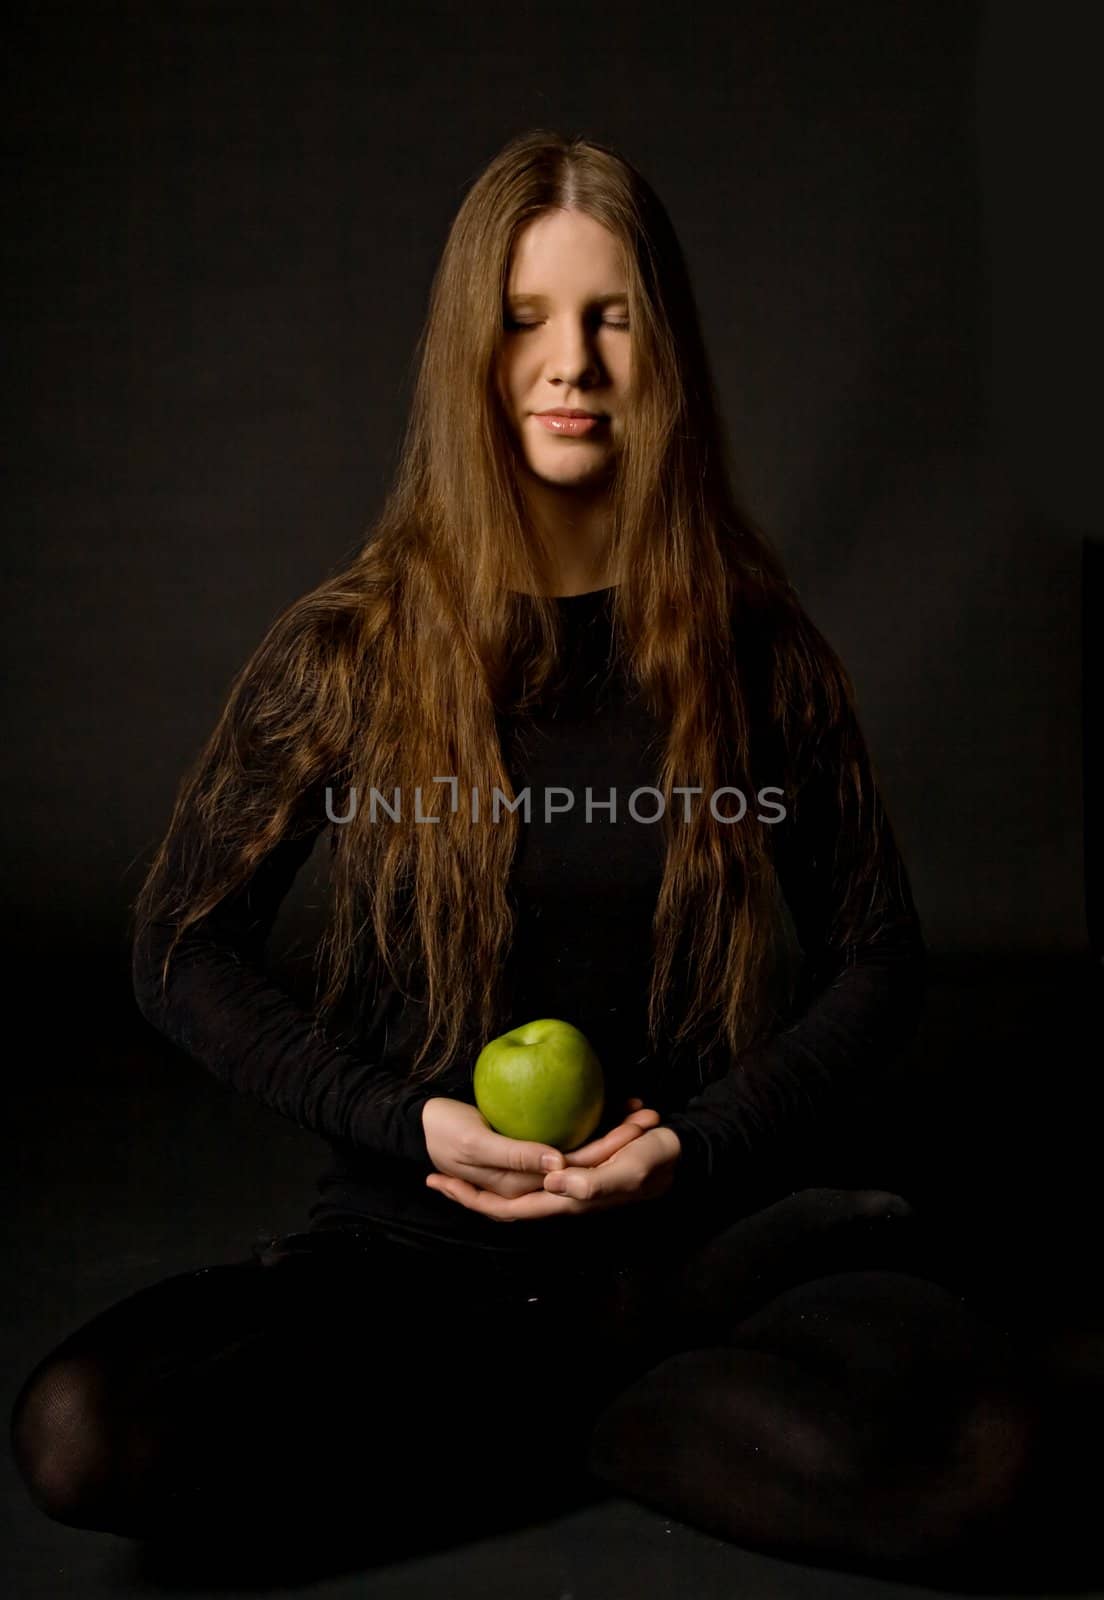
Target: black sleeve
(228, 1014)
(858, 1003)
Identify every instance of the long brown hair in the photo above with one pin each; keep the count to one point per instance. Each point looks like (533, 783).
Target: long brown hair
(395, 671)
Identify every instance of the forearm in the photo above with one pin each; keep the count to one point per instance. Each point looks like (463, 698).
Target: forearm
(226, 1013)
(751, 1126)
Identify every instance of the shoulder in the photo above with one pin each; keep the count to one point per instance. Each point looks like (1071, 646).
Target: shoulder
(323, 636)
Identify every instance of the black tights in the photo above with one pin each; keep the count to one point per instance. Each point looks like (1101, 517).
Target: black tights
(810, 1384)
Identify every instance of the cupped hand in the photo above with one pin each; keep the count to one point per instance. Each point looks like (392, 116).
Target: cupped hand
(640, 1165)
(462, 1145)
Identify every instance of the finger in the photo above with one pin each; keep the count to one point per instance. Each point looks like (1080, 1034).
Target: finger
(599, 1150)
(646, 1117)
(497, 1151)
(593, 1154)
(593, 1185)
(491, 1205)
(501, 1182)
(639, 1120)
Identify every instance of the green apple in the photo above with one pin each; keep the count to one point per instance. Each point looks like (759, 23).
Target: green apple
(541, 1081)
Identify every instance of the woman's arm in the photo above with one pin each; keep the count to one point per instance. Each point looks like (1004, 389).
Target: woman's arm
(859, 1003)
(225, 1012)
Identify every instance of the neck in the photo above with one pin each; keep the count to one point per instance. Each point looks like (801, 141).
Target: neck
(572, 527)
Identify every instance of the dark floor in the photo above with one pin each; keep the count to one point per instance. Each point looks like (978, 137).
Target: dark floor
(996, 1124)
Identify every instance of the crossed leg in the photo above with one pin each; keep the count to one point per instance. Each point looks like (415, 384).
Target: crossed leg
(370, 1401)
(824, 1406)
(838, 1389)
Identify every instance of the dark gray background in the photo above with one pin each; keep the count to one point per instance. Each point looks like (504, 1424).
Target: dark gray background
(224, 219)
(222, 224)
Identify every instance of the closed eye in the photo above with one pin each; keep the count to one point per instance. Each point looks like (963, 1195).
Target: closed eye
(609, 322)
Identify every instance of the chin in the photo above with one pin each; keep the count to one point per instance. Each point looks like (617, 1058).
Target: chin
(564, 476)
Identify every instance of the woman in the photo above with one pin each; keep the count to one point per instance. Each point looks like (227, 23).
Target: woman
(716, 1304)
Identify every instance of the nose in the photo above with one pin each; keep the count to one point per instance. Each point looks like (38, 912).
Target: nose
(573, 359)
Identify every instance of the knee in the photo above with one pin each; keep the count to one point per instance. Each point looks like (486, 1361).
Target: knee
(58, 1440)
(995, 1454)
(954, 1484)
(731, 1415)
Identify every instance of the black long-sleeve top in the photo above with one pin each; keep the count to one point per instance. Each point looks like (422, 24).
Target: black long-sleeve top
(773, 1119)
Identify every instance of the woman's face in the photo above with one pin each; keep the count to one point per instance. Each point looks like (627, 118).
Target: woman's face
(565, 346)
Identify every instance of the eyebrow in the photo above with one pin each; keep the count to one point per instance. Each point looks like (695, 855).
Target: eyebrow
(542, 300)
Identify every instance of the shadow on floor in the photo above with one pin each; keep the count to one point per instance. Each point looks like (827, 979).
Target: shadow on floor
(271, 1555)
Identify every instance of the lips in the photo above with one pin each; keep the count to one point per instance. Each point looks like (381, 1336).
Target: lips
(570, 424)
(569, 411)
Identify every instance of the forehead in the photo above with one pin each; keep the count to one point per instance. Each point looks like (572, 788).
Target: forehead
(568, 252)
